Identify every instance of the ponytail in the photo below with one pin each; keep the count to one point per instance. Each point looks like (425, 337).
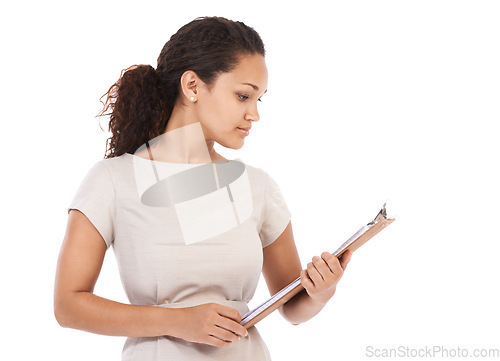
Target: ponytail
(138, 111)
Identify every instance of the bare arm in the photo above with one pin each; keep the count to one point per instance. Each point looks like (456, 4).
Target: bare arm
(282, 266)
(75, 305)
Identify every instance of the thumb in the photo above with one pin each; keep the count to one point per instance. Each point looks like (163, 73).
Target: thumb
(345, 258)
(230, 312)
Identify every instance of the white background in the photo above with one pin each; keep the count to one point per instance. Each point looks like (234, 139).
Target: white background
(368, 102)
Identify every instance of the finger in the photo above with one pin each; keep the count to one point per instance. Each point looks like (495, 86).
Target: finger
(224, 334)
(232, 326)
(332, 263)
(306, 281)
(217, 342)
(313, 274)
(323, 267)
(346, 257)
(229, 312)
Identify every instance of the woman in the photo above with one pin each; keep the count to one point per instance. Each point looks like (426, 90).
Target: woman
(188, 283)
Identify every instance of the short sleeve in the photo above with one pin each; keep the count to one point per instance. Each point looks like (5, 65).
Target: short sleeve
(95, 198)
(275, 213)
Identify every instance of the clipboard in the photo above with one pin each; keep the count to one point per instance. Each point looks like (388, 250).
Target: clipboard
(363, 235)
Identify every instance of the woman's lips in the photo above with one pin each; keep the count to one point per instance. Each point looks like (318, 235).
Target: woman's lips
(244, 131)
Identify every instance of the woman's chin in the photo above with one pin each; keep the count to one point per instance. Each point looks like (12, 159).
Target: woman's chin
(236, 144)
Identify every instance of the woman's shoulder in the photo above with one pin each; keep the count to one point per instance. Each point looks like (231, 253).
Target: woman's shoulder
(113, 166)
(256, 174)
(125, 158)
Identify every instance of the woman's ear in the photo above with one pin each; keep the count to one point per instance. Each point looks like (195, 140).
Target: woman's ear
(190, 83)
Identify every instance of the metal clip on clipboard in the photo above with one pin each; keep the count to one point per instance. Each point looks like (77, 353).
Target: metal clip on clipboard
(363, 235)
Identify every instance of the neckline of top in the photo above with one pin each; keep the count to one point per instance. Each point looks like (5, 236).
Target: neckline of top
(132, 156)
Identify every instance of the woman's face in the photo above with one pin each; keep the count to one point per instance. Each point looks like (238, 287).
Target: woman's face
(232, 102)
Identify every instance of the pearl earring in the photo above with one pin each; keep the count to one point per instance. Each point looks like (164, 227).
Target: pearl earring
(192, 99)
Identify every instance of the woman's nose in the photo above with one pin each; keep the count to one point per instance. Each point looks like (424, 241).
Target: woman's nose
(253, 114)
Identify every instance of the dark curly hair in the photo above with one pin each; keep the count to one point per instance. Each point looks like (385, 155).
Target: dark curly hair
(143, 98)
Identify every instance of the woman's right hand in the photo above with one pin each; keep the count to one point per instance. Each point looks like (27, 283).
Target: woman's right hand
(210, 323)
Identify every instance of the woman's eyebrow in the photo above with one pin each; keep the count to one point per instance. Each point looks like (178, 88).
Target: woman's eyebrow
(253, 86)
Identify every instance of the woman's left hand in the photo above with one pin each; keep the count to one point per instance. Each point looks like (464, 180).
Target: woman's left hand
(322, 275)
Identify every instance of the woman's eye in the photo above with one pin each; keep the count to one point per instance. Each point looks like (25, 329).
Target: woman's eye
(245, 97)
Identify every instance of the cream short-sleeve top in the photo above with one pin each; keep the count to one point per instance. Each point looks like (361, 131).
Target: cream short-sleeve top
(193, 250)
